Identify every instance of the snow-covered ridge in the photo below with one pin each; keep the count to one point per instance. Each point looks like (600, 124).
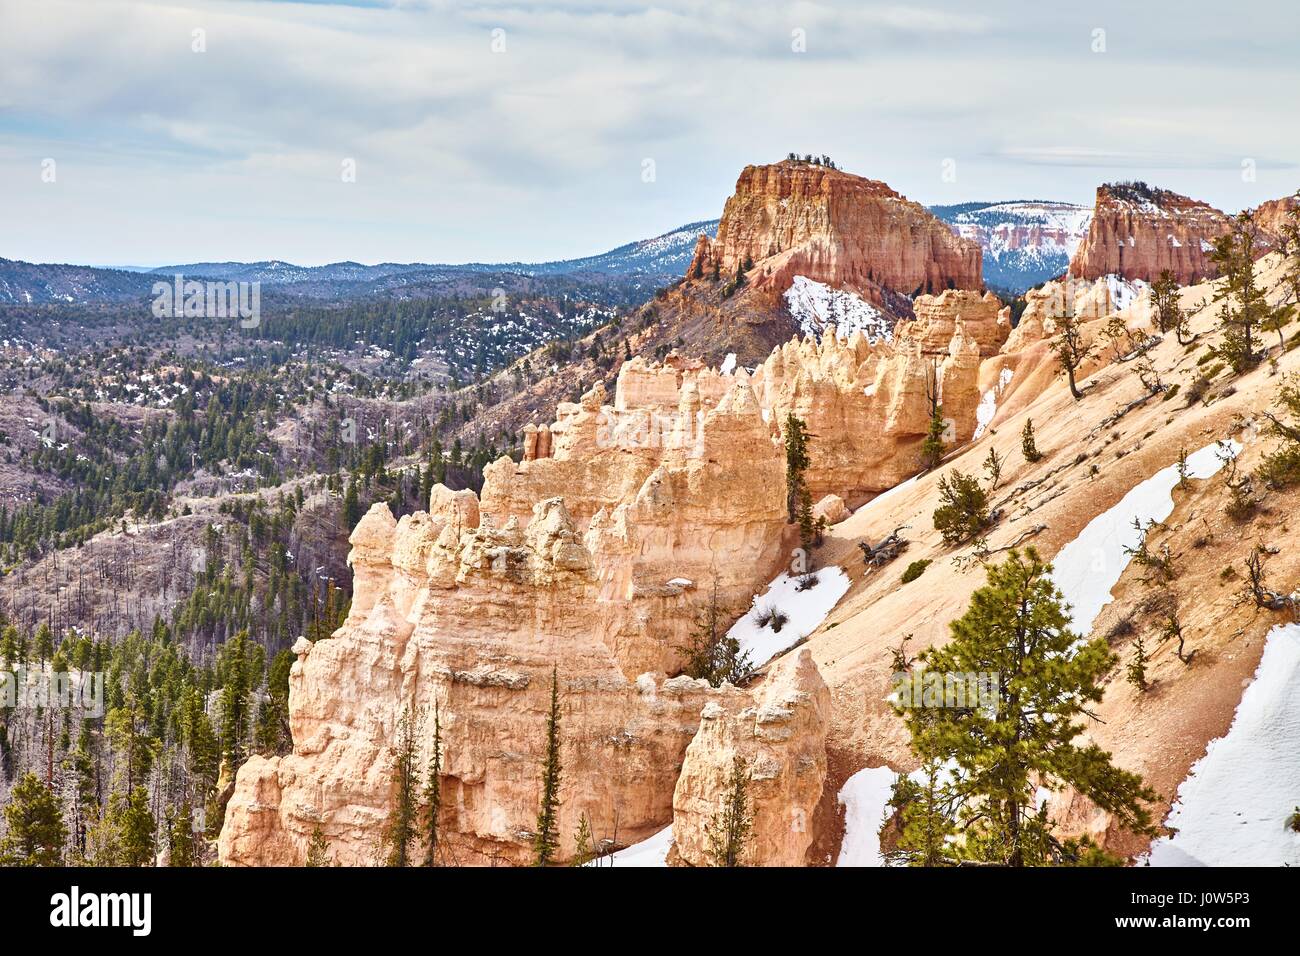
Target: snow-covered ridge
(818, 309)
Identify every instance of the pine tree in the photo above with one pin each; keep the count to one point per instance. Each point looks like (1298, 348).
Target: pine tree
(1017, 630)
(963, 510)
(317, 849)
(1243, 307)
(1028, 444)
(925, 819)
(136, 827)
(180, 836)
(583, 846)
(546, 843)
(351, 505)
(993, 468)
(1137, 665)
(728, 830)
(712, 654)
(933, 447)
(1071, 349)
(433, 793)
(35, 831)
(400, 831)
(796, 463)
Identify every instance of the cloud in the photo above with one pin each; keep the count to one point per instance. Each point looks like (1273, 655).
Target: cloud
(536, 152)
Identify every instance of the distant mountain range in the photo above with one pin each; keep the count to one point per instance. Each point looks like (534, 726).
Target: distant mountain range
(637, 267)
(1024, 242)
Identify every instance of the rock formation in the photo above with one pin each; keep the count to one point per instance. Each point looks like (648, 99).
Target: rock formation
(937, 318)
(845, 391)
(780, 736)
(795, 218)
(1138, 231)
(593, 560)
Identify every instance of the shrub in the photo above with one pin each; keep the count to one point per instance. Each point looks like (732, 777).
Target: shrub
(915, 570)
(769, 615)
(807, 582)
(964, 509)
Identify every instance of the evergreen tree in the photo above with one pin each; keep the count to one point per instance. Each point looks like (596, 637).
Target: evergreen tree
(317, 848)
(546, 842)
(136, 827)
(1028, 444)
(712, 654)
(1242, 305)
(933, 447)
(400, 833)
(180, 836)
(796, 462)
(729, 828)
(963, 510)
(1017, 631)
(34, 826)
(924, 811)
(433, 793)
(1071, 349)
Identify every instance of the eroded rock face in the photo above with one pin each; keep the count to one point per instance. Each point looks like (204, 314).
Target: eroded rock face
(468, 608)
(795, 218)
(846, 390)
(980, 316)
(1138, 232)
(781, 737)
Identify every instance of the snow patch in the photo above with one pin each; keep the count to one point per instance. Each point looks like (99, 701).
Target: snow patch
(818, 309)
(652, 851)
(988, 406)
(1088, 567)
(728, 364)
(1233, 808)
(865, 797)
(804, 610)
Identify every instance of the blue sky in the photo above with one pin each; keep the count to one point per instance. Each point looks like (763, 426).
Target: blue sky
(508, 130)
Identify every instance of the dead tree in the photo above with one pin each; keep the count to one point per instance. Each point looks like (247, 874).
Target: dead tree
(877, 556)
(1264, 596)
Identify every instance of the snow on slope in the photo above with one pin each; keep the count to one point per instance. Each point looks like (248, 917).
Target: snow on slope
(988, 406)
(805, 611)
(1233, 808)
(818, 308)
(865, 797)
(1088, 567)
(652, 851)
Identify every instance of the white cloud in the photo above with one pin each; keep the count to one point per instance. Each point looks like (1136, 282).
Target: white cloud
(536, 152)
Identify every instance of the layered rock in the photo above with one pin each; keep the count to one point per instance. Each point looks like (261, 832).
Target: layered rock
(980, 316)
(1138, 232)
(794, 218)
(1085, 300)
(845, 392)
(593, 562)
(780, 738)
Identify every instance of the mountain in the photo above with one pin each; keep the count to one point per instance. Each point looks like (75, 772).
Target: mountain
(1025, 242)
(627, 274)
(847, 246)
(1138, 231)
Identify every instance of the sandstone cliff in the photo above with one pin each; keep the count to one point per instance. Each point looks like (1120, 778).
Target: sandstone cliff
(1137, 232)
(794, 218)
(593, 561)
(780, 737)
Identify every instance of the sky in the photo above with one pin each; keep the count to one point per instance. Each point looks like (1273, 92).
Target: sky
(149, 133)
